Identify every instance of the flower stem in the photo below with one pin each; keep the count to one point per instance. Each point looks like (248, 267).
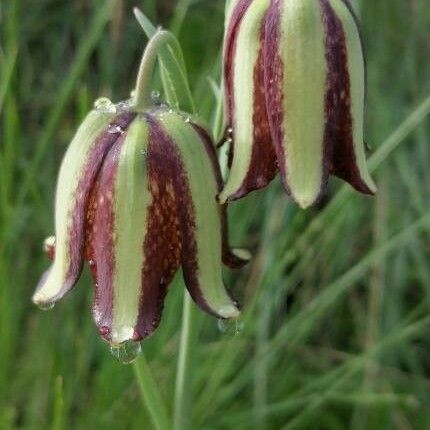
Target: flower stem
(151, 397)
(182, 406)
(142, 98)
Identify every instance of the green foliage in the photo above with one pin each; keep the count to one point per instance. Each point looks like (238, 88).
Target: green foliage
(336, 300)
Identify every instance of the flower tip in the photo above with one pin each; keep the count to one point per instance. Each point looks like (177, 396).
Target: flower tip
(229, 311)
(373, 189)
(222, 198)
(137, 13)
(304, 202)
(242, 254)
(42, 302)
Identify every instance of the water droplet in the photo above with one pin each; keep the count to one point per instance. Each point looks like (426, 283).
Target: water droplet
(45, 306)
(155, 96)
(104, 331)
(188, 119)
(229, 131)
(103, 104)
(49, 247)
(133, 94)
(115, 129)
(123, 106)
(92, 263)
(126, 352)
(230, 327)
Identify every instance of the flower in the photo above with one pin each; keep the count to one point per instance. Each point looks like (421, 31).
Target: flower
(294, 77)
(136, 199)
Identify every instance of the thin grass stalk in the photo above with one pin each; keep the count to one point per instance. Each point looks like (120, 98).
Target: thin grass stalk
(183, 391)
(151, 397)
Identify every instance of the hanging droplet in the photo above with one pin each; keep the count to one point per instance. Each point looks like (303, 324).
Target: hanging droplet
(126, 352)
(230, 327)
(45, 306)
(103, 104)
(230, 132)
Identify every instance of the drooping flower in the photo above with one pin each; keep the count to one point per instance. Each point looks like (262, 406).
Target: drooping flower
(294, 77)
(136, 199)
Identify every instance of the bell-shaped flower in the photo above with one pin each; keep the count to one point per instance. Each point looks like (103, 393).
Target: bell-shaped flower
(136, 199)
(294, 77)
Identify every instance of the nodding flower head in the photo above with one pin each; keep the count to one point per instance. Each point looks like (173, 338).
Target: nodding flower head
(294, 76)
(136, 199)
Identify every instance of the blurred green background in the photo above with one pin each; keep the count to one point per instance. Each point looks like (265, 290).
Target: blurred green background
(337, 326)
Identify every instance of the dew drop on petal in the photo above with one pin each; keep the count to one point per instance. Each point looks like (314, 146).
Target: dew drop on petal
(45, 306)
(104, 331)
(126, 352)
(123, 106)
(49, 247)
(115, 129)
(155, 97)
(230, 327)
(104, 105)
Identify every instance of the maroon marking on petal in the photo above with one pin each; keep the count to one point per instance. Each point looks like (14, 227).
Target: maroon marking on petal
(162, 245)
(77, 230)
(228, 258)
(263, 166)
(185, 210)
(229, 54)
(338, 137)
(100, 249)
(273, 81)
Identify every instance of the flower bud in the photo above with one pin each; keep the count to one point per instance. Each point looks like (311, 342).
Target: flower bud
(136, 199)
(294, 76)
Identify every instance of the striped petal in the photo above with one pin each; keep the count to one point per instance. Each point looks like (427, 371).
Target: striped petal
(253, 163)
(196, 190)
(296, 75)
(346, 95)
(79, 169)
(134, 245)
(234, 258)
(315, 84)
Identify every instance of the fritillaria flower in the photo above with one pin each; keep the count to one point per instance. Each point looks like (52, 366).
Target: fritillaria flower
(294, 75)
(137, 199)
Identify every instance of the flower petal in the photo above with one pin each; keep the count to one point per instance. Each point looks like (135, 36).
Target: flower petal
(296, 73)
(234, 258)
(198, 211)
(254, 158)
(346, 95)
(135, 243)
(77, 174)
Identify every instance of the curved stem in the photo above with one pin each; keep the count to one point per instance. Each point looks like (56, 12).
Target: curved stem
(142, 98)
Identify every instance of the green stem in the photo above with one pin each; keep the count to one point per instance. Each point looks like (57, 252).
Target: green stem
(142, 98)
(182, 406)
(151, 397)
